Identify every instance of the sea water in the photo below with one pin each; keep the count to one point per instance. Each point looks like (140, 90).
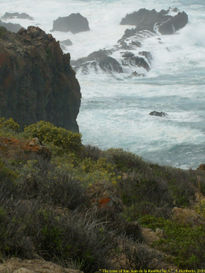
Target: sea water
(115, 109)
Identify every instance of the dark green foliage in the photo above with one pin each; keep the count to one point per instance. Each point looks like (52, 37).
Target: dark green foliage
(124, 161)
(43, 181)
(54, 236)
(185, 243)
(7, 181)
(9, 124)
(3, 32)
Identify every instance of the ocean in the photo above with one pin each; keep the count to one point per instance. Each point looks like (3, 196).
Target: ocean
(115, 108)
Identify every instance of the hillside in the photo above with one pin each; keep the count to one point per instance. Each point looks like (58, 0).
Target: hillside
(88, 209)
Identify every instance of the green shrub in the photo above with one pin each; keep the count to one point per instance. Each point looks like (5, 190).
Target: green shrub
(46, 132)
(3, 32)
(27, 228)
(41, 180)
(123, 160)
(185, 243)
(9, 124)
(7, 181)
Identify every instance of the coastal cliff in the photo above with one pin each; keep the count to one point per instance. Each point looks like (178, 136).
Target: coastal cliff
(37, 81)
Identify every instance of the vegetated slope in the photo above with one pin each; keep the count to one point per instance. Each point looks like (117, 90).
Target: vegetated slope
(84, 208)
(37, 81)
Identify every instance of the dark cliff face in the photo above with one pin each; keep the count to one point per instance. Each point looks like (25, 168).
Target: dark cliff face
(36, 79)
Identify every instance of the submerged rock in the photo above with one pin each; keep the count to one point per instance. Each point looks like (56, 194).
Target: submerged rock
(12, 15)
(98, 59)
(158, 114)
(37, 81)
(10, 27)
(74, 23)
(154, 21)
(66, 42)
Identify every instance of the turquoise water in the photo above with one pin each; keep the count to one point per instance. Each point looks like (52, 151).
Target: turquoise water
(115, 110)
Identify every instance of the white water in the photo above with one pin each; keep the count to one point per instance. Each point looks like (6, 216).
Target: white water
(115, 112)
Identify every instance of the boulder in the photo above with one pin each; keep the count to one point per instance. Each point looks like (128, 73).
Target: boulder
(74, 23)
(187, 216)
(15, 265)
(158, 114)
(155, 21)
(37, 81)
(13, 15)
(149, 235)
(10, 27)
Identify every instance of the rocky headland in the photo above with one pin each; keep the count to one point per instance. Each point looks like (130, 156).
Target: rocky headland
(37, 81)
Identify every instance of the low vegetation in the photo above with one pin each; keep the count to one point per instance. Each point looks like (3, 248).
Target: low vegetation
(82, 207)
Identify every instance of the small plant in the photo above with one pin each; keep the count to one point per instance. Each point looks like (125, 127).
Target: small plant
(9, 124)
(47, 133)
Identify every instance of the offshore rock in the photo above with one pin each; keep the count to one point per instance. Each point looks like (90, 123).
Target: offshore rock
(127, 56)
(158, 114)
(154, 21)
(65, 43)
(12, 15)
(37, 81)
(74, 23)
(10, 27)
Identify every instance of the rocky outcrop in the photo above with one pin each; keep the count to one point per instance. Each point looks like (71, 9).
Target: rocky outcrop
(10, 27)
(155, 21)
(74, 23)
(13, 15)
(15, 265)
(37, 81)
(127, 56)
